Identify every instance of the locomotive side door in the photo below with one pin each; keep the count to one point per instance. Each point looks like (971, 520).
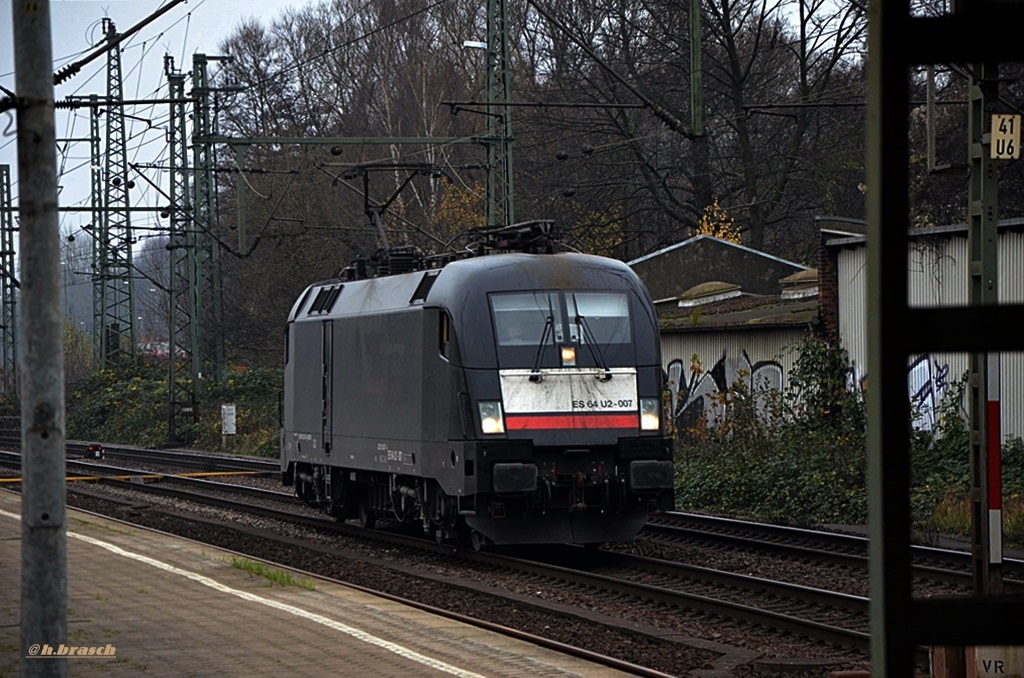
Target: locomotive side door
(327, 384)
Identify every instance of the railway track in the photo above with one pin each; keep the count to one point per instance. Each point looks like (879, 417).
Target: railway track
(930, 564)
(599, 578)
(168, 484)
(610, 580)
(728, 598)
(176, 458)
(731, 599)
(309, 519)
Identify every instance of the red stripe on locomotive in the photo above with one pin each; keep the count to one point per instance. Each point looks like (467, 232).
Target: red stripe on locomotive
(514, 422)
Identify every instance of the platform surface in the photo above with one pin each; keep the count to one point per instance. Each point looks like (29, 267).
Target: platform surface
(168, 606)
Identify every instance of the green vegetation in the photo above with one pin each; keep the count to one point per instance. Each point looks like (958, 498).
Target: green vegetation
(129, 406)
(274, 576)
(797, 457)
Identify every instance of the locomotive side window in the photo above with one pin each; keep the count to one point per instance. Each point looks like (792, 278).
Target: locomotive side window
(602, 317)
(527, 318)
(444, 338)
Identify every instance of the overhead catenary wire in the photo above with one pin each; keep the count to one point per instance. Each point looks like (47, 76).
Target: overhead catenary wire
(360, 191)
(202, 227)
(124, 40)
(74, 68)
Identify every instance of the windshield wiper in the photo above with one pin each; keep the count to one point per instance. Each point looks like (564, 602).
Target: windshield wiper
(595, 348)
(549, 324)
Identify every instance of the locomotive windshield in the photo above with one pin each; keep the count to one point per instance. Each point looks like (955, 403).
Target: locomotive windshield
(523, 319)
(532, 327)
(601, 317)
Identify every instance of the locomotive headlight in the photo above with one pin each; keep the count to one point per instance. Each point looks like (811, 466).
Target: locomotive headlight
(568, 356)
(491, 419)
(649, 414)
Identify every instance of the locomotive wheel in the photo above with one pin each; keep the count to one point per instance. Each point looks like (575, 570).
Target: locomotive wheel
(367, 519)
(305, 493)
(477, 540)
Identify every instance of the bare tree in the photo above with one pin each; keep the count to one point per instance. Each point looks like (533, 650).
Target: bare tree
(618, 166)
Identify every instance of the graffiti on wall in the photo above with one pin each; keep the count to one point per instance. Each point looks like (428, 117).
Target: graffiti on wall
(693, 390)
(928, 381)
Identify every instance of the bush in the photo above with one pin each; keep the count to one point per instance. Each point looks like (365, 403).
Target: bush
(793, 457)
(129, 406)
(940, 466)
(798, 457)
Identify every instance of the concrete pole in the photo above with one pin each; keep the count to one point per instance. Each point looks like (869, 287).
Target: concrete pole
(43, 532)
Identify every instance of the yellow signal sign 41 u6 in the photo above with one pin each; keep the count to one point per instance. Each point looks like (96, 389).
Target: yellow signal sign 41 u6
(1005, 137)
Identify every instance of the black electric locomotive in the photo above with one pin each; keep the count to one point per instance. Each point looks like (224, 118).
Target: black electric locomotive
(514, 398)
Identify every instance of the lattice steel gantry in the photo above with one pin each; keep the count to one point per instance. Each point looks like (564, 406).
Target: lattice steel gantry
(204, 218)
(183, 335)
(113, 314)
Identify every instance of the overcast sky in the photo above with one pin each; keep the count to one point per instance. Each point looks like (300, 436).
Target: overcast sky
(195, 26)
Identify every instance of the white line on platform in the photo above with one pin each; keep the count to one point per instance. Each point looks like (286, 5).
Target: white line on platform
(291, 609)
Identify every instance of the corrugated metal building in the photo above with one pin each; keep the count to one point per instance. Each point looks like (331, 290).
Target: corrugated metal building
(716, 329)
(937, 269)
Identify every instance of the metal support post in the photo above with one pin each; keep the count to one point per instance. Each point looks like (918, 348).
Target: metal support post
(696, 71)
(182, 345)
(115, 270)
(96, 233)
(43, 511)
(983, 213)
(220, 366)
(204, 218)
(499, 138)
